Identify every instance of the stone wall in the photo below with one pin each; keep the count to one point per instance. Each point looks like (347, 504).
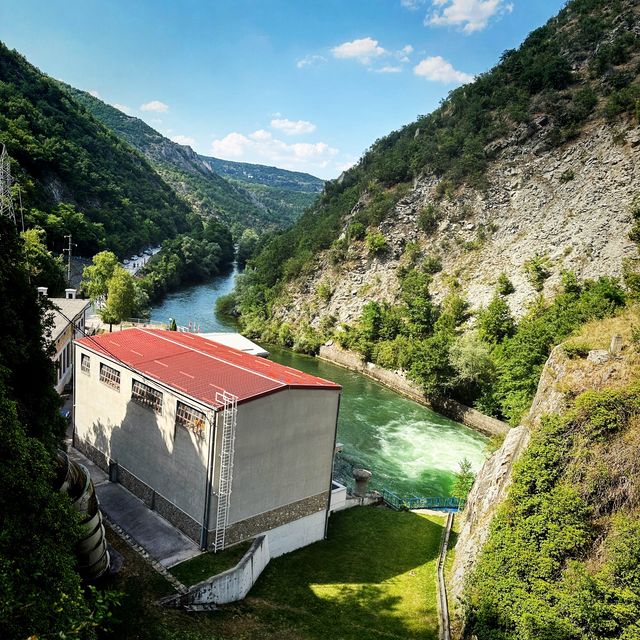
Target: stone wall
(250, 527)
(398, 382)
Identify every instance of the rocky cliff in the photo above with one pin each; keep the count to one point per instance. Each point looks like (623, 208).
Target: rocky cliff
(562, 380)
(569, 206)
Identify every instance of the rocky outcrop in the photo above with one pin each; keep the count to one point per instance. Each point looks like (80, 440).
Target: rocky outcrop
(569, 205)
(562, 378)
(489, 490)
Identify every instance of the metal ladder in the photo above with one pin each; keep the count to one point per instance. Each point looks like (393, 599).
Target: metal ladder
(229, 404)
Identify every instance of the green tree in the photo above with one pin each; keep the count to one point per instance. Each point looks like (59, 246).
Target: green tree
(43, 268)
(495, 323)
(40, 593)
(246, 246)
(95, 278)
(121, 298)
(463, 481)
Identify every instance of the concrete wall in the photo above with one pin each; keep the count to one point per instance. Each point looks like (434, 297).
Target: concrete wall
(232, 585)
(296, 534)
(399, 383)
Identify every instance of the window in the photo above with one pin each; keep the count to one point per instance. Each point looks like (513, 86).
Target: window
(190, 418)
(85, 364)
(147, 396)
(111, 377)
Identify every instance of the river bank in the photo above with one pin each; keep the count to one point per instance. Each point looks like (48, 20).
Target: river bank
(400, 384)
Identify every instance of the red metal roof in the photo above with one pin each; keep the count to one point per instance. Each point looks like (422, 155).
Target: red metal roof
(199, 367)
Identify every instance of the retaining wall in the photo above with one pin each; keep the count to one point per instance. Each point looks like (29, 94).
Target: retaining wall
(231, 585)
(399, 383)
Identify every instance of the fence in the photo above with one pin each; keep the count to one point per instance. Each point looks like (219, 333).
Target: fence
(419, 502)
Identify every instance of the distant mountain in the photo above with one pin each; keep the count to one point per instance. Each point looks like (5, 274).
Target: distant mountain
(76, 174)
(242, 195)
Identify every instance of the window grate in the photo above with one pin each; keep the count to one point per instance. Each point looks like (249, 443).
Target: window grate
(85, 364)
(146, 396)
(111, 377)
(190, 418)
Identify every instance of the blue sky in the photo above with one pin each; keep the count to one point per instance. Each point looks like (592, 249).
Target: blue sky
(306, 85)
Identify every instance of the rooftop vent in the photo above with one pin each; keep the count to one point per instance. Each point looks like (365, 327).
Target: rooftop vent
(70, 294)
(43, 291)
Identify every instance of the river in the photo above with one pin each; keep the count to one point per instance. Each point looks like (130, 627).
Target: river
(408, 448)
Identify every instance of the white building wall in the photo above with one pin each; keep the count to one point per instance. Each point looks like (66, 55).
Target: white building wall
(283, 450)
(169, 458)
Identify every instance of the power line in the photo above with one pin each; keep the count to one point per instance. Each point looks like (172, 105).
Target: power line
(6, 201)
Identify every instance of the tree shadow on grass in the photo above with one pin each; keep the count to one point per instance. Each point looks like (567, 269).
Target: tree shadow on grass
(368, 580)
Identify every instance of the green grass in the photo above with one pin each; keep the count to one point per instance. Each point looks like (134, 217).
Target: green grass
(209, 564)
(373, 578)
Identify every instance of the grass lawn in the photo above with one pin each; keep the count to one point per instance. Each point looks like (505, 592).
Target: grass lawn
(373, 578)
(209, 564)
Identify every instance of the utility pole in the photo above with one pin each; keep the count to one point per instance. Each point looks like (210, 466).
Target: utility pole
(6, 201)
(67, 250)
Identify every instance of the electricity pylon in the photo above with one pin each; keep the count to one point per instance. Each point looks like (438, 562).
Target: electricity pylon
(6, 201)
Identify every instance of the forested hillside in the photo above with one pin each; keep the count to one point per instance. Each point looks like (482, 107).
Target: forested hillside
(253, 196)
(76, 176)
(442, 251)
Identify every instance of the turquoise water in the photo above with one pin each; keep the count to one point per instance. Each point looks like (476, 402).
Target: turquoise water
(408, 448)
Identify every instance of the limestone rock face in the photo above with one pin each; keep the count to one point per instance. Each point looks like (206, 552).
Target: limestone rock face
(488, 491)
(570, 205)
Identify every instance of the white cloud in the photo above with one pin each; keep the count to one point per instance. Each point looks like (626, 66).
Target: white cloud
(310, 60)
(188, 140)
(412, 5)
(468, 15)
(95, 93)
(123, 107)
(155, 105)
(407, 49)
(389, 69)
(293, 127)
(261, 147)
(362, 50)
(436, 68)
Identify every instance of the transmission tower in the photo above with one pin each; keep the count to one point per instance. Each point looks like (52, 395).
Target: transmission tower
(6, 202)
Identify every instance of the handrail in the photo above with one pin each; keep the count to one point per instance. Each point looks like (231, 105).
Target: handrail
(397, 502)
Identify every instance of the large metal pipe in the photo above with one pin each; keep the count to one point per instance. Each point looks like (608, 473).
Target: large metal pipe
(91, 550)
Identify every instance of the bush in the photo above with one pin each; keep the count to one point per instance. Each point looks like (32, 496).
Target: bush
(376, 243)
(505, 286)
(537, 270)
(432, 265)
(324, 291)
(428, 219)
(356, 230)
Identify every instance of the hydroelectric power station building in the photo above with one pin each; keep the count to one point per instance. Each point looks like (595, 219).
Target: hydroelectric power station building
(223, 444)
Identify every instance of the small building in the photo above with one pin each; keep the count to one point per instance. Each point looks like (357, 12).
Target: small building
(236, 341)
(223, 444)
(69, 322)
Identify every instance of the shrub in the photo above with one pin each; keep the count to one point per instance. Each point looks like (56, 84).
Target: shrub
(428, 219)
(505, 286)
(567, 176)
(537, 270)
(356, 230)
(324, 291)
(432, 265)
(376, 243)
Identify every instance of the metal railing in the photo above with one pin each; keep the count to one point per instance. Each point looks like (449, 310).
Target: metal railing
(420, 502)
